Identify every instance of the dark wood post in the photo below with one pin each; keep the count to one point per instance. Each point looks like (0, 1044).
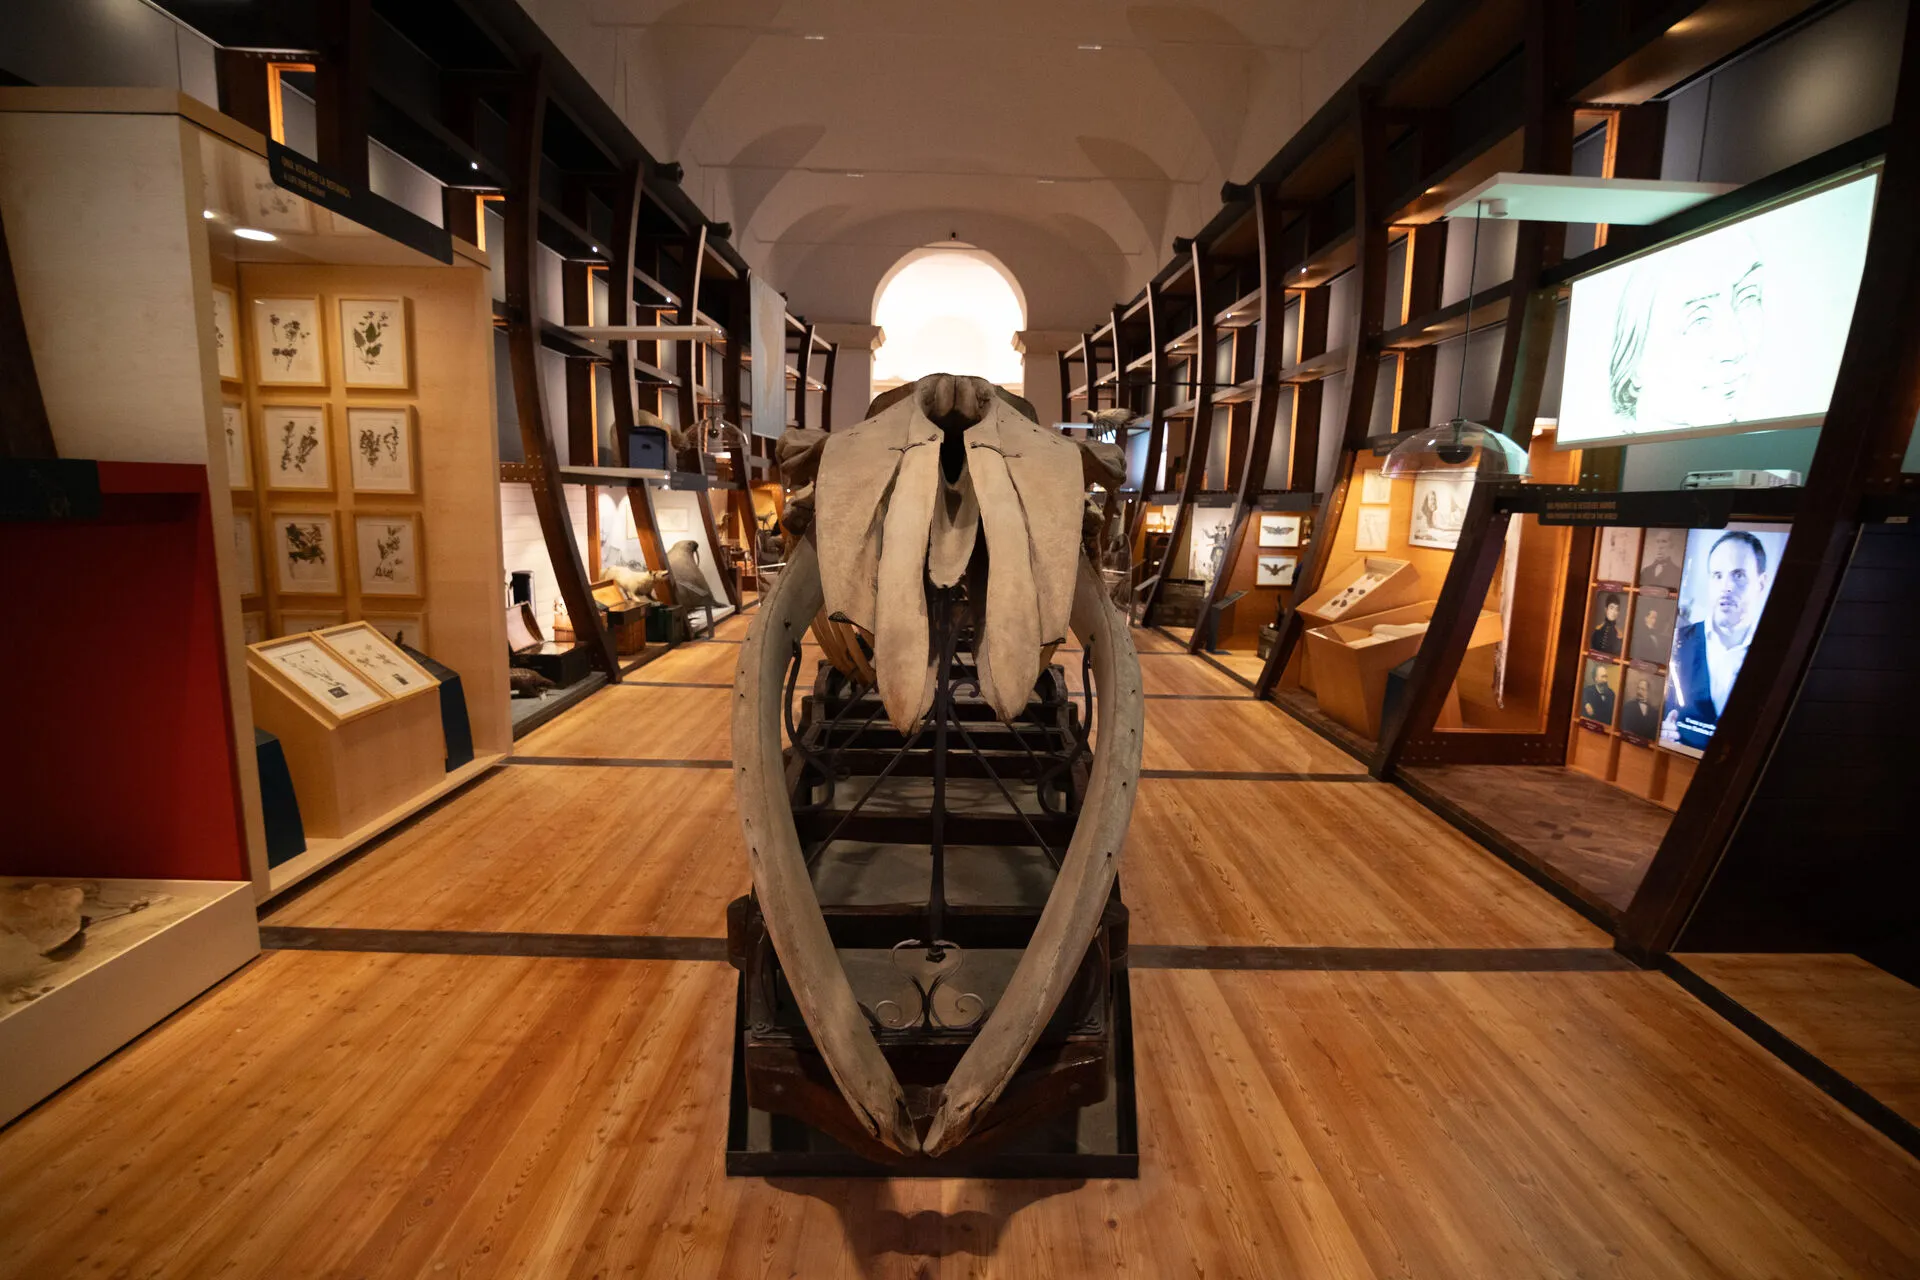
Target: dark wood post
(1200, 434)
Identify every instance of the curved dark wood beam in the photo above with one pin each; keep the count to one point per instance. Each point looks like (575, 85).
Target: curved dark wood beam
(1269, 358)
(529, 392)
(826, 397)
(733, 373)
(689, 285)
(620, 301)
(1363, 369)
(1157, 393)
(1199, 435)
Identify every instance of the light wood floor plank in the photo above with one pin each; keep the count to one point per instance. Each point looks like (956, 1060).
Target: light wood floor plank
(1241, 736)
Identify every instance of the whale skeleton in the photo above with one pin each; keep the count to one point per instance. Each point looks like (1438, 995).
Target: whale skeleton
(796, 926)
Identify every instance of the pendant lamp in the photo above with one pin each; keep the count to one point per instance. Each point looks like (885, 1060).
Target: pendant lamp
(1471, 450)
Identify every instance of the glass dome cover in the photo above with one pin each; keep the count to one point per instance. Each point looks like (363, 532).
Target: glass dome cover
(1456, 448)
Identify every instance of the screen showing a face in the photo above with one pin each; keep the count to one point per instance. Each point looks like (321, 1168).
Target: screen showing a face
(1738, 329)
(1723, 590)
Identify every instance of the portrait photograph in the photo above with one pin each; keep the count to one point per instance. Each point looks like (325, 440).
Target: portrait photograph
(1663, 553)
(1599, 692)
(1619, 556)
(1607, 622)
(1640, 706)
(1723, 591)
(1651, 636)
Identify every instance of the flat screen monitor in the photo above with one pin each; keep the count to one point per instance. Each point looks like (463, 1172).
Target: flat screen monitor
(1724, 585)
(1737, 329)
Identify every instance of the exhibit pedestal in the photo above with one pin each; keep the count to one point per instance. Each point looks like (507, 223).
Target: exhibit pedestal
(1351, 663)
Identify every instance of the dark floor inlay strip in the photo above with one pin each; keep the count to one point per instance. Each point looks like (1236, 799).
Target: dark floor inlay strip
(442, 942)
(673, 684)
(1195, 697)
(1384, 959)
(1230, 775)
(618, 762)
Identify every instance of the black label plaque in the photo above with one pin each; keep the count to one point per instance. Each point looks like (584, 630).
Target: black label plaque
(305, 178)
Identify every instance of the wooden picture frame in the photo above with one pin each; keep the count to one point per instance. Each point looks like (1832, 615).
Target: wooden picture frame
(409, 629)
(375, 349)
(296, 621)
(226, 333)
(381, 449)
(387, 553)
(288, 348)
(1279, 528)
(233, 421)
(246, 553)
(1376, 488)
(296, 448)
(1371, 527)
(315, 675)
(364, 648)
(305, 545)
(1275, 571)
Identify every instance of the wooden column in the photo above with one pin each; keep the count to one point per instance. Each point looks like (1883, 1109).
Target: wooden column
(1303, 458)
(1876, 399)
(1120, 358)
(689, 286)
(627, 199)
(1200, 434)
(1268, 357)
(1157, 393)
(523, 346)
(1363, 368)
(733, 372)
(800, 386)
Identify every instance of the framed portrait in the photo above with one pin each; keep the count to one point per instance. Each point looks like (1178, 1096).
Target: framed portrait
(374, 656)
(388, 549)
(409, 629)
(1640, 707)
(306, 552)
(373, 342)
(1650, 638)
(380, 449)
(1599, 692)
(253, 627)
(1275, 571)
(226, 338)
(1279, 530)
(1607, 622)
(233, 422)
(1439, 511)
(246, 559)
(1663, 554)
(294, 446)
(286, 342)
(294, 622)
(1723, 592)
(321, 677)
(1375, 489)
(1370, 529)
(1619, 556)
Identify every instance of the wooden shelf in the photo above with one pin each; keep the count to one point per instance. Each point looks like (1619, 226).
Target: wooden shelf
(1184, 409)
(1489, 308)
(1238, 394)
(322, 852)
(644, 332)
(1140, 362)
(611, 475)
(1243, 314)
(1186, 344)
(1078, 393)
(1315, 368)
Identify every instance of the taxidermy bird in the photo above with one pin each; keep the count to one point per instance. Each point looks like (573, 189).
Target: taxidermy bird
(689, 582)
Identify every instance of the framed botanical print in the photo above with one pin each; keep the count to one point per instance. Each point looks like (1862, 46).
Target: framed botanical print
(295, 621)
(306, 552)
(388, 549)
(293, 443)
(226, 338)
(380, 449)
(375, 657)
(233, 422)
(409, 629)
(271, 207)
(1279, 530)
(246, 559)
(320, 677)
(286, 342)
(373, 342)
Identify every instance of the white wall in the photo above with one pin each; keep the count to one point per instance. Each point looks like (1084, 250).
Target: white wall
(524, 548)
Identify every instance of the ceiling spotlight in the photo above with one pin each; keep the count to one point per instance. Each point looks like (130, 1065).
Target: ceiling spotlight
(253, 233)
(813, 37)
(856, 175)
(596, 248)
(208, 213)
(1089, 48)
(1045, 182)
(474, 163)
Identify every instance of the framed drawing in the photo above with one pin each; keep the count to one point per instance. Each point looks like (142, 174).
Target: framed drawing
(271, 207)
(306, 553)
(233, 421)
(380, 449)
(253, 627)
(1619, 558)
(286, 342)
(1375, 489)
(389, 554)
(226, 339)
(374, 656)
(1439, 511)
(246, 560)
(409, 629)
(1370, 529)
(1207, 532)
(373, 342)
(320, 677)
(1279, 530)
(670, 519)
(1275, 571)
(293, 622)
(293, 440)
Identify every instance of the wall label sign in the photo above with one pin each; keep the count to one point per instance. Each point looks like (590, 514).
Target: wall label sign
(1673, 509)
(305, 178)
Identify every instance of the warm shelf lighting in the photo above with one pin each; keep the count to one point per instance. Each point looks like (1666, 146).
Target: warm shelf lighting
(254, 233)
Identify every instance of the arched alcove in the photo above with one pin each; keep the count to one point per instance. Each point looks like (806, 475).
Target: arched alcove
(948, 308)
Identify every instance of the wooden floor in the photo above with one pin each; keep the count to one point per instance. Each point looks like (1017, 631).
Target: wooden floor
(1366, 1047)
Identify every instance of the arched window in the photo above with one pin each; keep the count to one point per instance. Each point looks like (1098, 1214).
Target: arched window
(948, 308)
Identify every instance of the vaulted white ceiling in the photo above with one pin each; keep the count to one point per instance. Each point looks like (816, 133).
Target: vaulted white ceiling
(985, 120)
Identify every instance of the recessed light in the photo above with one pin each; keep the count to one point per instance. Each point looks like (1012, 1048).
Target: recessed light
(810, 37)
(1089, 48)
(253, 233)
(856, 175)
(596, 248)
(1045, 182)
(1303, 271)
(208, 213)
(474, 163)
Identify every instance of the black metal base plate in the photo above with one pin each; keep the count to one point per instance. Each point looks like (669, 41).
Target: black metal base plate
(1100, 1141)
